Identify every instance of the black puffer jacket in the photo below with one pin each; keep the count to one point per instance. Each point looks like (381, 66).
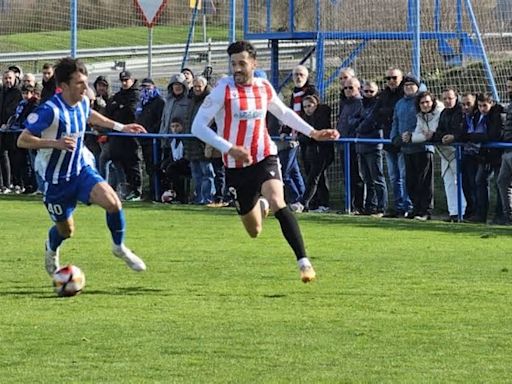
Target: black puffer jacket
(320, 119)
(9, 100)
(121, 108)
(451, 122)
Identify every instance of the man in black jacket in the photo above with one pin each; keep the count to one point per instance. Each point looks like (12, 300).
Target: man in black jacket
(449, 130)
(121, 107)
(383, 116)
(10, 96)
(49, 84)
(505, 175)
(149, 114)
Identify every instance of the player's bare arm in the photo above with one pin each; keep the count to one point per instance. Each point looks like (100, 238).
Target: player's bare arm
(103, 121)
(29, 141)
(325, 134)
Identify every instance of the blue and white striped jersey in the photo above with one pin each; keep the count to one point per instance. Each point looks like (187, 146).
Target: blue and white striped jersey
(53, 120)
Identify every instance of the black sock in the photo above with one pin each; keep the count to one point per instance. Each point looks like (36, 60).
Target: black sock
(291, 231)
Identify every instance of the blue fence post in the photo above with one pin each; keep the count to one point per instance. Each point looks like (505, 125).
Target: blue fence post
(348, 192)
(156, 174)
(458, 154)
(74, 26)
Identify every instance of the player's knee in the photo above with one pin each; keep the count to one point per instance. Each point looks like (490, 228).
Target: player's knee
(67, 232)
(255, 231)
(113, 204)
(276, 203)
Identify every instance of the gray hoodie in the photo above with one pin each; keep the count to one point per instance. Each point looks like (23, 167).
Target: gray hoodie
(175, 106)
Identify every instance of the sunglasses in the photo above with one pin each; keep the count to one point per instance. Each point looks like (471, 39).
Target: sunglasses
(349, 87)
(391, 77)
(369, 91)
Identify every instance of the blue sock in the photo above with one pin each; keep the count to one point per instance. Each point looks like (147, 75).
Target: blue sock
(55, 239)
(116, 223)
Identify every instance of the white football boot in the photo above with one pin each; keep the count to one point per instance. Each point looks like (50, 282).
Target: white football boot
(51, 259)
(130, 258)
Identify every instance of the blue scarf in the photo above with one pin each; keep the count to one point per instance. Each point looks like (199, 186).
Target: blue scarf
(146, 95)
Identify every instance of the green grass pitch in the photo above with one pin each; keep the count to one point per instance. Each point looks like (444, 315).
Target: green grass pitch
(396, 301)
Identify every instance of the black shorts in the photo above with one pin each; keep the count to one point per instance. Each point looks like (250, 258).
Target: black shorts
(245, 183)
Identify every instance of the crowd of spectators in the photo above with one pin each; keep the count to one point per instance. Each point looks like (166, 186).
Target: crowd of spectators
(419, 125)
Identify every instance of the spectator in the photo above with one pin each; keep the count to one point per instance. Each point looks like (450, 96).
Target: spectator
(22, 170)
(369, 156)
(419, 162)
(125, 150)
(395, 163)
(505, 175)
(49, 84)
(149, 114)
(350, 118)
(318, 154)
(200, 166)
(10, 96)
(189, 78)
(486, 125)
(448, 131)
(404, 123)
(177, 103)
(176, 168)
(469, 157)
(345, 74)
(288, 150)
(28, 79)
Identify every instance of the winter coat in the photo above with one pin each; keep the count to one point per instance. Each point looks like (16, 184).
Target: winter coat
(368, 128)
(121, 108)
(350, 117)
(404, 120)
(427, 123)
(194, 148)
(175, 106)
(9, 100)
(320, 119)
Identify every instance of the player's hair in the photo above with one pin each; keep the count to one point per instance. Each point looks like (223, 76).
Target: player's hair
(242, 46)
(65, 68)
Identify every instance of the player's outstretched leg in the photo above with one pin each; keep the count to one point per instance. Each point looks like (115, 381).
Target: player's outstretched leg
(292, 234)
(103, 195)
(116, 224)
(273, 191)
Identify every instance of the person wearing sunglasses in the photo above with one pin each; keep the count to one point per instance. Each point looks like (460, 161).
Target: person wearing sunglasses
(369, 156)
(349, 119)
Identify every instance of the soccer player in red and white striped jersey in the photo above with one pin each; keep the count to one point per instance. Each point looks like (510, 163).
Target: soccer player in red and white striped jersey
(239, 105)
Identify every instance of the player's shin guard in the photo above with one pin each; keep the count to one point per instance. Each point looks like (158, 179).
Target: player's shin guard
(54, 238)
(291, 231)
(116, 223)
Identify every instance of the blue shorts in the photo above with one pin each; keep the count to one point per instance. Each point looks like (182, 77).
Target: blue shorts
(60, 199)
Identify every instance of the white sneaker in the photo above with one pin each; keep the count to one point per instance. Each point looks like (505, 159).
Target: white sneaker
(265, 207)
(51, 259)
(130, 258)
(297, 207)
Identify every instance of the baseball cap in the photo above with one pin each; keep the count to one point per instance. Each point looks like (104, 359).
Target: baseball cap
(124, 75)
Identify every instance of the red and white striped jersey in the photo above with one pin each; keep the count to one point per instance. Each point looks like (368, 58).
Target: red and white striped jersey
(240, 115)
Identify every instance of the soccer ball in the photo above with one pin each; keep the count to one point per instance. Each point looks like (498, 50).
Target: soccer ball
(168, 196)
(68, 281)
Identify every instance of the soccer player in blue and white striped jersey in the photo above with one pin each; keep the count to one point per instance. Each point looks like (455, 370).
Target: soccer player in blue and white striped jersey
(56, 129)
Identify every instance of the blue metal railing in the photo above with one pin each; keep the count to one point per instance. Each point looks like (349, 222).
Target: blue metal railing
(345, 142)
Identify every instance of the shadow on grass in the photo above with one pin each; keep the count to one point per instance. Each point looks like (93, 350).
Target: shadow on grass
(47, 292)
(482, 230)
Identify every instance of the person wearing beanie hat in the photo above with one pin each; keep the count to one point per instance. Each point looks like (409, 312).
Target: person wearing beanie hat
(410, 78)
